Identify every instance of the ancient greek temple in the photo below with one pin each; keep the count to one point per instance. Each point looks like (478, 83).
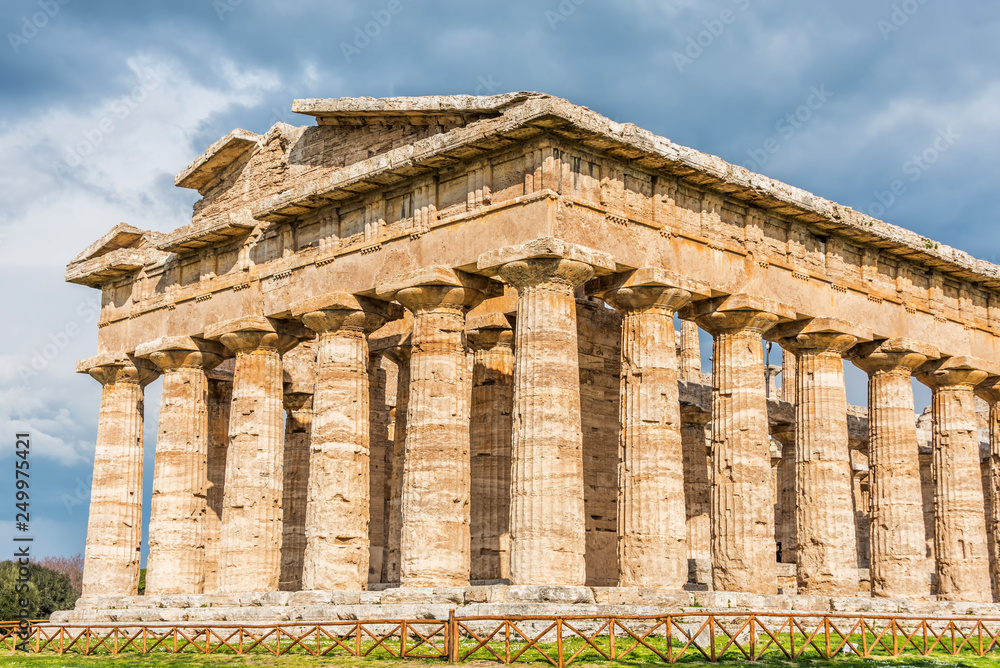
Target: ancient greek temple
(437, 341)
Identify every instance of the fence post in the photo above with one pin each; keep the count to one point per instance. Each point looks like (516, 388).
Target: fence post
(452, 637)
(559, 641)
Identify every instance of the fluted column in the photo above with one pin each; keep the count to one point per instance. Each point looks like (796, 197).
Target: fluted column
(652, 531)
(697, 481)
(251, 514)
(743, 549)
(896, 526)
(114, 526)
(176, 561)
(785, 517)
(295, 479)
(220, 396)
(690, 357)
(787, 376)
(434, 538)
(338, 502)
(963, 570)
(379, 448)
(989, 391)
(394, 521)
(826, 553)
(490, 436)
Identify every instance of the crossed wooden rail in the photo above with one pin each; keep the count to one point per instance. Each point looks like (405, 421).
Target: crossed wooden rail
(558, 640)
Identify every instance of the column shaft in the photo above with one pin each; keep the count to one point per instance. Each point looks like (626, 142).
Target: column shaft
(547, 514)
(220, 395)
(490, 437)
(379, 449)
(176, 559)
(251, 515)
(826, 540)
(295, 480)
(114, 526)
(993, 523)
(743, 549)
(697, 483)
(690, 358)
(785, 517)
(394, 523)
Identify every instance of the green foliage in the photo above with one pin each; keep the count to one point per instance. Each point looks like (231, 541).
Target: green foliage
(142, 581)
(47, 591)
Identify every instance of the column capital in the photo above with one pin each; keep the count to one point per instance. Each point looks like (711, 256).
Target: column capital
(818, 335)
(336, 311)
(647, 288)
(437, 287)
(170, 353)
(784, 434)
(488, 331)
(734, 313)
(545, 260)
(989, 390)
(952, 372)
(890, 355)
(692, 414)
(108, 368)
(296, 399)
(250, 333)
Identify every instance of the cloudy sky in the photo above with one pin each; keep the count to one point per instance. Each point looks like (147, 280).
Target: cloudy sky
(102, 102)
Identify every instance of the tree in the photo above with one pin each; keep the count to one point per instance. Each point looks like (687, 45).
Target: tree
(47, 591)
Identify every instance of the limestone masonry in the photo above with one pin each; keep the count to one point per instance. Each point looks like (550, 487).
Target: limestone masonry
(430, 343)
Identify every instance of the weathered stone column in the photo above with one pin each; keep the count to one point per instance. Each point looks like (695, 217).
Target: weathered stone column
(114, 526)
(379, 448)
(652, 529)
(697, 481)
(743, 549)
(394, 522)
(785, 517)
(338, 505)
(298, 403)
(898, 562)
(492, 341)
(989, 390)
(434, 539)
(787, 376)
(690, 357)
(826, 541)
(220, 396)
(176, 561)
(963, 569)
(251, 514)
(547, 529)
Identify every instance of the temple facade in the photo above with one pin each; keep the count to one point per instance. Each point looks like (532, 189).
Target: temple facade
(442, 340)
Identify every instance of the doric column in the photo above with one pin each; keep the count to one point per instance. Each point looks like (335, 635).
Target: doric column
(492, 342)
(826, 542)
(434, 538)
(298, 403)
(251, 514)
(176, 561)
(338, 500)
(743, 549)
(690, 357)
(379, 448)
(697, 481)
(989, 390)
(652, 529)
(784, 434)
(896, 523)
(787, 376)
(220, 396)
(394, 521)
(114, 526)
(963, 569)
(547, 532)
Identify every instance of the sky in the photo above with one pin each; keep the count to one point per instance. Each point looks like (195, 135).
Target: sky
(102, 102)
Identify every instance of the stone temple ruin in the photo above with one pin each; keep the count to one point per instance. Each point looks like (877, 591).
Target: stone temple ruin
(424, 351)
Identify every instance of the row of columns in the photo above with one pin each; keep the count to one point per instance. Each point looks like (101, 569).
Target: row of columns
(428, 537)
